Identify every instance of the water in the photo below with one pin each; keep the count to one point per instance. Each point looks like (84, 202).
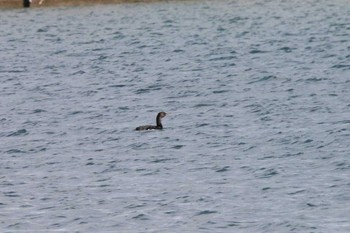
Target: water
(257, 133)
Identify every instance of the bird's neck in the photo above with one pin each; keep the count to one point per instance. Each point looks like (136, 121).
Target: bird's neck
(159, 122)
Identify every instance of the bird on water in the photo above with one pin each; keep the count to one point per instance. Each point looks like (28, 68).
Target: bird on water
(158, 121)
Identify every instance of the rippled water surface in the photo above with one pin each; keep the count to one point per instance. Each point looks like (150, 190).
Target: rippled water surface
(256, 139)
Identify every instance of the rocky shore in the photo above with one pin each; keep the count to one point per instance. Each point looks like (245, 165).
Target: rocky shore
(43, 3)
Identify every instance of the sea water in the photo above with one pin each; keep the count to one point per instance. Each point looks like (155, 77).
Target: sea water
(256, 139)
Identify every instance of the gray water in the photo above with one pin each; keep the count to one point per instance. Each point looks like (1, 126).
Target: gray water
(257, 133)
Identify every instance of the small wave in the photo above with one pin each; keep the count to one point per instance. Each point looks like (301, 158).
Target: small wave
(202, 105)
(263, 79)
(11, 194)
(21, 132)
(287, 49)
(220, 91)
(161, 160)
(204, 212)
(117, 85)
(238, 19)
(224, 169)
(43, 29)
(297, 192)
(179, 51)
(257, 51)
(118, 35)
(38, 149)
(314, 79)
(342, 166)
(289, 154)
(38, 111)
(141, 217)
(13, 71)
(341, 66)
(75, 112)
(178, 146)
(59, 52)
(201, 125)
(223, 58)
(233, 224)
(267, 173)
(148, 89)
(308, 141)
(311, 205)
(15, 151)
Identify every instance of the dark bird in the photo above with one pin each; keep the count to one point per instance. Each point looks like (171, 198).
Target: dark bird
(158, 120)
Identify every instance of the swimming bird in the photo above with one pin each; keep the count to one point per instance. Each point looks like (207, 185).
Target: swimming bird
(159, 125)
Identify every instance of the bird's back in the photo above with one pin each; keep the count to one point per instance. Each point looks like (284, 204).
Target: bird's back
(148, 127)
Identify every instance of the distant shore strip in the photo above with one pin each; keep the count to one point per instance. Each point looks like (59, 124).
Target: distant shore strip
(43, 3)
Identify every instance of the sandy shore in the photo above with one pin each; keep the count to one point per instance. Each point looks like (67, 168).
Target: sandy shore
(43, 3)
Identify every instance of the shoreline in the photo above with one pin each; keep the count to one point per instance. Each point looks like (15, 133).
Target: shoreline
(51, 3)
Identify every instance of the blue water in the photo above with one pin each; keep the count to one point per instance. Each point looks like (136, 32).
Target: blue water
(256, 139)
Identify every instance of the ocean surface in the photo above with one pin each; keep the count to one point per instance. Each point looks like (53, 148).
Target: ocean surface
(257, 136)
